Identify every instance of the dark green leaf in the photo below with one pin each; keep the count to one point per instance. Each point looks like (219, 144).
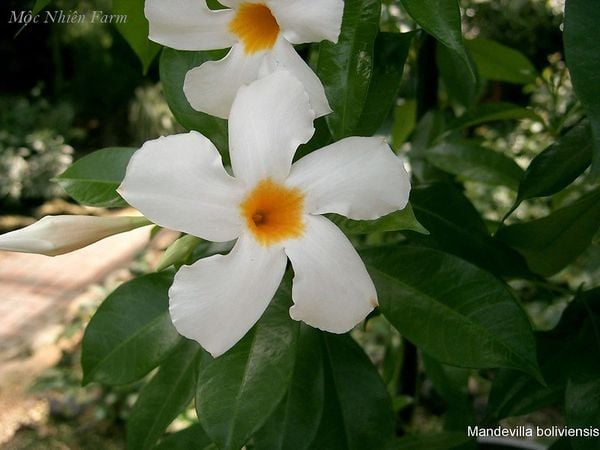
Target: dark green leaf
(131, 333)
(397, 221)
(358, 412)
(552, 242)
(452, 310)
(191, 438)
(473, 162)
(456, 227)
(441, 19)
(582, 408)
(168, 393)
(559, 165)
(135, 30)
(174, 65)
(294, 423)
(440, 441)
(39, 5)
(93, 179)
(495, 61)
(238, 391)
(491, 112)
(346, 68)
(582, 51)
(391, 50)
(460, 86)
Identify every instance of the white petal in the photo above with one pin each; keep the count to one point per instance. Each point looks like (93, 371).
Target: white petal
(358, 177)
(269, 119)
(211, 87)
(188, 25)
(283, 55)
(179, 182)
(218, 299)
(308, 20)
(56, 235)
(331, 289)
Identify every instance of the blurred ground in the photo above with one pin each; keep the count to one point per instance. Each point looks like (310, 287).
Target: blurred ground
(38, 294)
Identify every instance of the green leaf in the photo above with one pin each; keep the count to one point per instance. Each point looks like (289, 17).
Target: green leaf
(552, 242)
(475, 322)
(239, 391)
(557, 166)
(440, 441)
(39, 6)
(405, 120)
(192, 437)
(491, 112)
(397, 221)
(346, 68)
(294, 423)
(135, 30)
(473, 162)
(461, 87)
(456, 227)
(391, 50)
(441, 19)
(168, 393)
(581, 37)
(131, 333)
(358, 412)
(174, 65)
(495, 61)
(93, 180)
(582, 408)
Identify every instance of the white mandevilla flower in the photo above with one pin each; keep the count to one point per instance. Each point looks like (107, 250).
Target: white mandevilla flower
(56, 235)
(260, 34)
(273, 208)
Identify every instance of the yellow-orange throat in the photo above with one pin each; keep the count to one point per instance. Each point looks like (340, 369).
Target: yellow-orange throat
(273, 212)
(256, 27)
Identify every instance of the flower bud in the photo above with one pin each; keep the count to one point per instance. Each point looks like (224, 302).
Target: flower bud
(56, 235)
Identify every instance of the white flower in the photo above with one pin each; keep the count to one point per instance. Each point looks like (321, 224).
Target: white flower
(260, 34)
(56, 235)
(273, 208)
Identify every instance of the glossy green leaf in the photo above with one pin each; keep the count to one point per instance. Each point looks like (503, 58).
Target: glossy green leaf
(495, 61)
(174, 65)
(452, 310)
(581, 37)
(552, 242)
(239, 391)
(441, 19)
(397, 221)
(391, 50)
(135, 30)
(161, 400)
(440, 441)
(559, 165)
(131, 333)
(492, 112)
(460, 86)
(346, 68)
(456, 227)
(190, 438)
(294, 423)
(93, 179)
(472, 162)
(358, 412)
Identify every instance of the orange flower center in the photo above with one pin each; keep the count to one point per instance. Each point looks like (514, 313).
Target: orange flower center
(256, 27)
(273, 212)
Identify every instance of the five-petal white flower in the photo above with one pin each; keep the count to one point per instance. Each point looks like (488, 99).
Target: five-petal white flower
(273, 208)
(260, 34)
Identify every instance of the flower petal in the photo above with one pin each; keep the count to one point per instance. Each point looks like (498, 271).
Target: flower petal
(56, 235)
(269, 119)
(218, 299)
(331, 289)
(188, 25)
(283, 55)
(308, 20)
(179, 182)
(358, 177)
(211, 87)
